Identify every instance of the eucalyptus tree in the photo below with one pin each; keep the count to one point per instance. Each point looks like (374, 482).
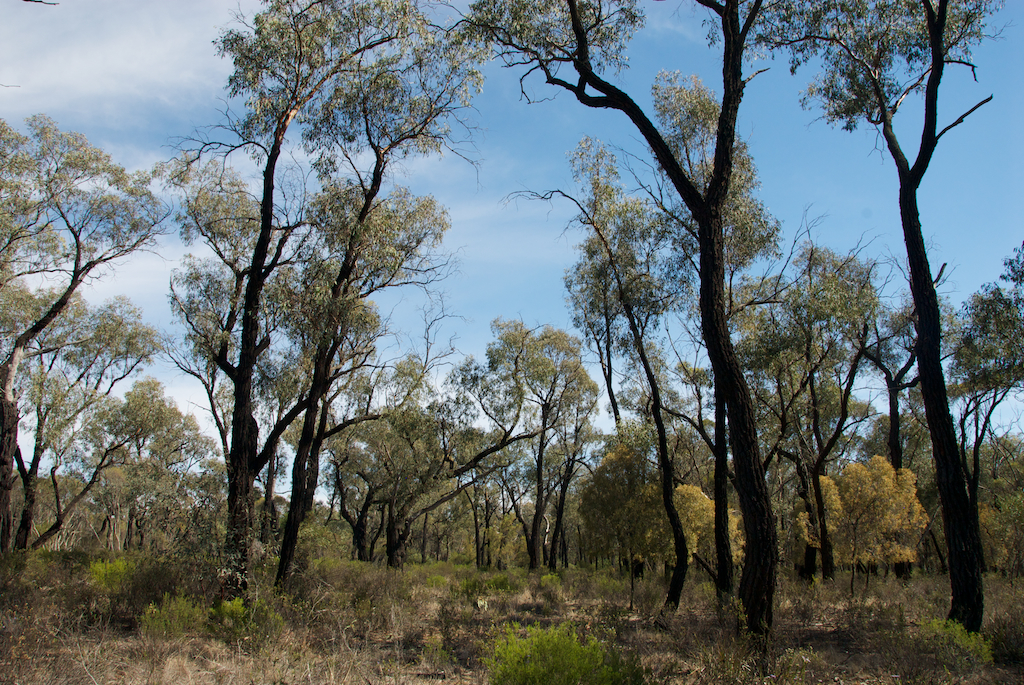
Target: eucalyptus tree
(576, 437)
(360, 80)
(806, 353)
(546, 369)
(76, 363)
(875, 55)
(354, 490)
(151, 495)
(365, 244)
(427, 456)
(626, 240)
(570, 44)
(988, 366)
(113, 433)
(643, 252)
(67, 215)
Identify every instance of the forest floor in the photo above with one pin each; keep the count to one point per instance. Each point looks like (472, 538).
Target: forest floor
(72, 618)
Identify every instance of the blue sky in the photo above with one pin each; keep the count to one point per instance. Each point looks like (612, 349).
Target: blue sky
(132, 75)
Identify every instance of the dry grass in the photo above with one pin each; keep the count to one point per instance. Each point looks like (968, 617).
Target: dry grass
(343, 622)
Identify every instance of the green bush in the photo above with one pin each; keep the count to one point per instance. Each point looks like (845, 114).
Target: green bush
(111, 576)
(175, 617)
(954, 647)
(504, 584)
(234, 621)
(555, 656)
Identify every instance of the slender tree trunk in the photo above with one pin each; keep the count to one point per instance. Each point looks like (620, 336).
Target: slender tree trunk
(28, 508)
(959, 506)
(423, 538)
(8, 445)
(757, 582)
(558, 536)
(535, 539)
(828, 563)
(809, 566)
(303, 477)
(894, 444)
(723, 543)
(268, 516)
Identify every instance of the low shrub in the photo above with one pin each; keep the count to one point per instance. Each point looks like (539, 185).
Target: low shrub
(555, 656)
(257, 623)
(112, 575)
(956, 649)
(174, 617)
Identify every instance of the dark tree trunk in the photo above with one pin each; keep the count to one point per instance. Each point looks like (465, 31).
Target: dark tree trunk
(828, 563)
(241, 501)
(305, 469)
(558, 537)
(959, 508)
(29, 485)
(397, 535)
(268, 517)
(808, 568)
(28, 508)
(757, 583)
(894, 441)
(535, 538)
(8, 445)
(666, 467)
(423, 539)
(956, 485)
(894, 444)
(723, 543)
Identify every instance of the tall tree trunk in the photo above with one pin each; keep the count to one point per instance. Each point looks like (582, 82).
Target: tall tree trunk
(558, 537)
(28, 508)
(808, 568)
(723, 542)
(894, 445)
(957, 487)
(303, 477)
(8, 445)
(757, 582)
(828, 560)
(959, 508)
(237, 548)
(268, 516)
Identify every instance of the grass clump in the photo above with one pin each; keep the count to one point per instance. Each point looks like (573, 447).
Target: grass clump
(556, 656)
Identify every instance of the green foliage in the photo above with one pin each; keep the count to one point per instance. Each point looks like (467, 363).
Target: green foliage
(234, 621)
(504, 583)
(111, 576)
(956, 649)
(556, 656)
(550, 588)
(174, 617)
(622, 507)
(873, 53)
